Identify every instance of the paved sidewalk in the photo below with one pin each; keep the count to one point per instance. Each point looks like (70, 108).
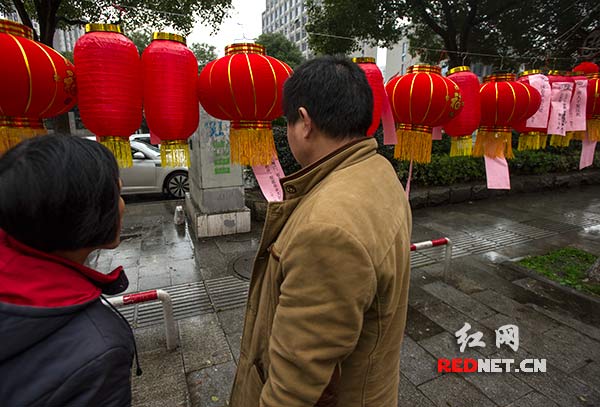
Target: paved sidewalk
(209, 298)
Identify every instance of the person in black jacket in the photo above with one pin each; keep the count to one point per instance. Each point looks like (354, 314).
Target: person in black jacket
(60, 346)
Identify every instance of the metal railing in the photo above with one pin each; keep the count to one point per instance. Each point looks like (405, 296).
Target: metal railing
(444, 241)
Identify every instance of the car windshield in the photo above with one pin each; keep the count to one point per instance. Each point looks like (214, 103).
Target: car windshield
(153, 148)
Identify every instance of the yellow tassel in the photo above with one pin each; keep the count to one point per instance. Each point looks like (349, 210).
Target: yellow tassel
(543, 140)
(533, 140)
(578, 135)
(413, 145)
(11, 136)
(121, 149)
(252, 146)
(461, 146)
(493, 144)
(593, 129)
(557, 140)
(174, 153)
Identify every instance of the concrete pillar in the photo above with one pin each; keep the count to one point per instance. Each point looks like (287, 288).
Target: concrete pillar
(215, 204)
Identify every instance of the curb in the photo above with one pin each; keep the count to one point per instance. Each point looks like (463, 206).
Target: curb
(536, 276)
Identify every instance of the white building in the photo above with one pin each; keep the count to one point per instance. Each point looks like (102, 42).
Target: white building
(289, 18)
(398, 59)
(64, 40)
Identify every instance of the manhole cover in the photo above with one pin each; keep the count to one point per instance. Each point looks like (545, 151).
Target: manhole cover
(242, 265)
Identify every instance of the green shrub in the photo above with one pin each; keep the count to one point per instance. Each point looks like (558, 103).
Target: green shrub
(446, 170)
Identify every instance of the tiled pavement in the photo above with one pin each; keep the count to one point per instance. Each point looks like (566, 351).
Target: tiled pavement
(209, 299)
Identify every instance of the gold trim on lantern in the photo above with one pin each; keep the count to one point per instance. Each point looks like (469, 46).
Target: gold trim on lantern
(593, 75)
(95, 27)
(251, 124)
(530, 72)
(462, 68)
(13, 130)
(363, 60)
(175, 153)
(500, 77)
(424, 68)
(14, 28)
(245, 48)
(556, 72)
(169, 37)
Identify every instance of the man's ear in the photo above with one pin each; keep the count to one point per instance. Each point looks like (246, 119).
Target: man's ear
(306, 121)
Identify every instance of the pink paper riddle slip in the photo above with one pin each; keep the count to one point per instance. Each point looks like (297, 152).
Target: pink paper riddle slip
(389, 127)
(559, 110)
(496, 170)
(588, 148)
(268, 177)
(540, 118)
(437, 133)
(577, 110)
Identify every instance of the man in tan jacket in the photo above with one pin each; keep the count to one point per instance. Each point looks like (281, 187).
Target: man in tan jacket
(328, 297)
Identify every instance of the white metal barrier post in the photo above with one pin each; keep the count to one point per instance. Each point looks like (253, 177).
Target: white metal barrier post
(444, 241)
(171, 336)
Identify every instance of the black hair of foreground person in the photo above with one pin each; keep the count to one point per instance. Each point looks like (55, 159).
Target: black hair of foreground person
(61, 346)
(59, 193)
(336, 94)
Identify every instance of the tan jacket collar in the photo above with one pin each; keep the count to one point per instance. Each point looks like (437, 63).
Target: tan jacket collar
(300, 182)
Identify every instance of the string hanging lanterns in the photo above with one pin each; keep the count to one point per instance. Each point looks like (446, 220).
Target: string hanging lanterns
(110, 87)
(246, 87)
(38, 83)
(461, 127)
(170, 73)
(421, 100)
(504, 102)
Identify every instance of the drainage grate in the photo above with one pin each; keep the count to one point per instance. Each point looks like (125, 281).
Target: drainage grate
(502, 238)
(419, 259)
(581, 219)
(551, 225)
(227, 292)
(527, 231)
(465, 244)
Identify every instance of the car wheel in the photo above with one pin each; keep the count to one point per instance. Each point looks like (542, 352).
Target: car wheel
(177, 184)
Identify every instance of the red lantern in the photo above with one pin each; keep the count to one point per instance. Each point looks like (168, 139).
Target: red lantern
(110, 87)
(246, 87)
(421, 100)
(37, 83)
(170, 99)
(375, 79)
(530, 138)
(462, 126)
(590, 70)
(504, 102)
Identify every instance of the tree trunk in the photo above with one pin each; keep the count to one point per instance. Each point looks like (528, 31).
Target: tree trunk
(593, 272)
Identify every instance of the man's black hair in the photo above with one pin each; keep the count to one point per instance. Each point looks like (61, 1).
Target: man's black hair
(336, 94)
(59, 193)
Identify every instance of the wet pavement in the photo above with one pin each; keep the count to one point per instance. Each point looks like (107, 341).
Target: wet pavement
(207, 281)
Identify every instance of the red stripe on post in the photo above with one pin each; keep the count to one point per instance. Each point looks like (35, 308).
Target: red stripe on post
(140, 297)
(439, 242)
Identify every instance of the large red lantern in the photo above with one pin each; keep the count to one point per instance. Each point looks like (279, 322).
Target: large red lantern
(504, 102)
(421, 100)
(593, 106)
(375, 79)
(462, 126)
(36, 82)
(170, 72)
(246, 87)
(110, 87)
(530, 138)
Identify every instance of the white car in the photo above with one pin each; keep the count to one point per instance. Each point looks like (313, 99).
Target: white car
(147, 175)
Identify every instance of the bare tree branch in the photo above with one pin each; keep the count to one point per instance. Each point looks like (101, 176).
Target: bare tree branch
(429, 20)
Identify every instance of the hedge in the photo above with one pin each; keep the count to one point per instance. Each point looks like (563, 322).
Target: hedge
(446, 170)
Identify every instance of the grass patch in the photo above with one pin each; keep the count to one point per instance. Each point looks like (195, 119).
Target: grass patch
(566, 266)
